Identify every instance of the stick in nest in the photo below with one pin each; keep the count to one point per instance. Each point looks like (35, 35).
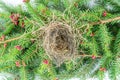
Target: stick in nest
(59, 42)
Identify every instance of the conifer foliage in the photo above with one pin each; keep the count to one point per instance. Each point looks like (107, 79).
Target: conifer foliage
(83, 40)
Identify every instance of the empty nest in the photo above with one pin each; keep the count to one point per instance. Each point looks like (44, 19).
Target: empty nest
(59, 42)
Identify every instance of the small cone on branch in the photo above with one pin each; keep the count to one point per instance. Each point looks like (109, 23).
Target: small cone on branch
(26, 1)
(104, 14)
(102, 69)
(93, 56)
(15, 18)
(46, 62)
(17, 63)
(5, 45)
(18, 47)
(59, 42)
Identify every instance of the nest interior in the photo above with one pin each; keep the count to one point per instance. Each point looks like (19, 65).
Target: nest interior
(59, 42)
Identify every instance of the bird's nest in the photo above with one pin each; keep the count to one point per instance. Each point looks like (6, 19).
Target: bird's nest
(59, 42)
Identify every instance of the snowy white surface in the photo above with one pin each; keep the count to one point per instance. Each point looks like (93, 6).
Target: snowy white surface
(13, 2)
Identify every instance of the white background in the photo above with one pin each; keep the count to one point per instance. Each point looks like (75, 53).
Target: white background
(14, 2)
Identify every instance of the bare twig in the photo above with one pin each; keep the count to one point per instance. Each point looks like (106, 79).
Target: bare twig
(105, 21)
(85, 55)
(90, 56)
(9, 40)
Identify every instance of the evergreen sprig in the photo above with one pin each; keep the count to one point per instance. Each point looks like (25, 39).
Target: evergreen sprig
(98, 47)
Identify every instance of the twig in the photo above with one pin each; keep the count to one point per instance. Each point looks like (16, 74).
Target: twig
(12, 39)
(85, 55)
(105, 21)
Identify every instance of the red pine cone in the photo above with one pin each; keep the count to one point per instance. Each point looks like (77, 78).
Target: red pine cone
(46, 62)
(17, 63)
(18, 47)
(15, 18)
(104, 14)
(26, 1)
(5, 45)
(102, 69)
(93, 57)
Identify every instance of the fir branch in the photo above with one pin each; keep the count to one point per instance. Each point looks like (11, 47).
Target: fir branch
(30, 54)
(105, 39)
(113, 70)
(117, 44)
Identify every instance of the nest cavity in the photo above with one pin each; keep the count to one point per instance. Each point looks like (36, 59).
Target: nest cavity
(59, 42)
